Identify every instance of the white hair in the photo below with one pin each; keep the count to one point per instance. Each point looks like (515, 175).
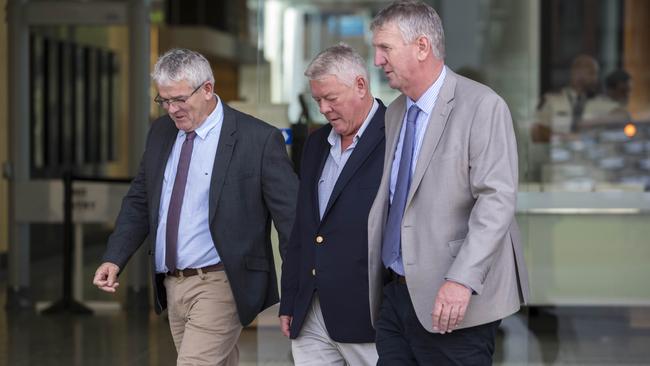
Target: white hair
(341, 61)
(181, 64)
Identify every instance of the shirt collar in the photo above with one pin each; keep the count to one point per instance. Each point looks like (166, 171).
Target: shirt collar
(428, 99)
(334, 138)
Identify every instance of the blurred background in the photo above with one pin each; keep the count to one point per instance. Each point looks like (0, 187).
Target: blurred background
(76, 103)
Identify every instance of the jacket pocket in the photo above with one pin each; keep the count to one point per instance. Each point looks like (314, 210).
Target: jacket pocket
(454, 247)
(256, 263)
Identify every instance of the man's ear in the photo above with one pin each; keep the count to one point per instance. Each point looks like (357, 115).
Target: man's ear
(361, 86)
(423, 46)
(209, 90)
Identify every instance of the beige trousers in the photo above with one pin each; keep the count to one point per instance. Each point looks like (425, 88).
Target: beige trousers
(203, 319)
(314, 347)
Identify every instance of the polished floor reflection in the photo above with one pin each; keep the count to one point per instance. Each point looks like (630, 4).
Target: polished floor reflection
(540, 336)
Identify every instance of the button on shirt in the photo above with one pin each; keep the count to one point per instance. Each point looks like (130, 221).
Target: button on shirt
(195, 246)
(336, 161)
(426, 103)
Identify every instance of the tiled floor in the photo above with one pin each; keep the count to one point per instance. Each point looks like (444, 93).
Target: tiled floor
(549, 336)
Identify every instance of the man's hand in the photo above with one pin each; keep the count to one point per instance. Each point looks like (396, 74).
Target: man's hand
(285, 323)
(106, 277)
(450, 306)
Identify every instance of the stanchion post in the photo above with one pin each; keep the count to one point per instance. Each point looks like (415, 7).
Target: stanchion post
(67, 304)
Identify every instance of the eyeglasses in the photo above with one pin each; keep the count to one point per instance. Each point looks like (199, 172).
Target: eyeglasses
(166, 103)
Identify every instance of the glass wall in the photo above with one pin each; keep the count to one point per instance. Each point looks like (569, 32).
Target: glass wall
(587, 147)
(575, 75)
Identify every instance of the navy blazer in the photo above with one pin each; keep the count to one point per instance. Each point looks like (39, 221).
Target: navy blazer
(252, 182)
(330, 256)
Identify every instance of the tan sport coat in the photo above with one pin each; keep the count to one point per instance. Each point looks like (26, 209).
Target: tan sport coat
(459, 219)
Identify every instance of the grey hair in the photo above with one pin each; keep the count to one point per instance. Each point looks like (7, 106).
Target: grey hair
(180, 64)
(414, 19)
(341, 61)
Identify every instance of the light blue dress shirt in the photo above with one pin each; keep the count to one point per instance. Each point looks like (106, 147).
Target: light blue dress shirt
(336, 160)
(426, 103)
(195, 246)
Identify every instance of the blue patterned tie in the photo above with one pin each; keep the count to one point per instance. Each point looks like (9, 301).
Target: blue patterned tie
(176, 201)
(391, 248)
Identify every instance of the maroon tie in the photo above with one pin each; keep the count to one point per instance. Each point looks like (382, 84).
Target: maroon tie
(176, 201)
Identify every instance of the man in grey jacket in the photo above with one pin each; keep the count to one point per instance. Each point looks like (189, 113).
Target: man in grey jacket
(209, 184)
(443, 219)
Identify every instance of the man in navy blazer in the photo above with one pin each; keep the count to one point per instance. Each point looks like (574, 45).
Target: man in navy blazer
(324, 305)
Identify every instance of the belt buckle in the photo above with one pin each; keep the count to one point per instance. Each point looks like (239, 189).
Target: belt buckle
(176, 273)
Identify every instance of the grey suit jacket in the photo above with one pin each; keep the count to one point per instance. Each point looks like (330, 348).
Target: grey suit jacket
(252, 182)
(459, 218)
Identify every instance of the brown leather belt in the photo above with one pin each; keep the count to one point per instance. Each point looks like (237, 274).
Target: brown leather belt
(397, 277)
(187, 272)
(401, 279)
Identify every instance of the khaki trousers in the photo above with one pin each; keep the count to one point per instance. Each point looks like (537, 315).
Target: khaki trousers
(314, 347)
(203, 319)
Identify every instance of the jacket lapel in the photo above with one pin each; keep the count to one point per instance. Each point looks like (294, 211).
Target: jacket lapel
(394, 120)
(324, 149)
(227, 141)
(315, 168)
(169, 137)
(437, 122)
(372, 136)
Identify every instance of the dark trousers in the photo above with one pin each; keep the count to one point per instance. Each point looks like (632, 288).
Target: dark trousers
(402, 340)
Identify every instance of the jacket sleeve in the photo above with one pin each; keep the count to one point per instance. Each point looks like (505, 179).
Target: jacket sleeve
(279, 187)
(132, 224)
(291, 261)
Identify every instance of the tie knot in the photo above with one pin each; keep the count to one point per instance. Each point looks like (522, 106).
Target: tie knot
(190, 135)
(412, 115)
